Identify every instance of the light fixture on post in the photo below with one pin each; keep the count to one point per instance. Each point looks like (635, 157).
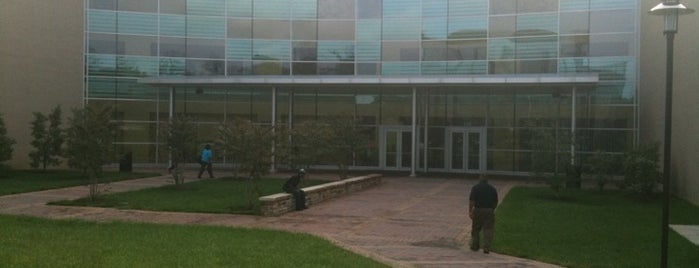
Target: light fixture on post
(670, 9)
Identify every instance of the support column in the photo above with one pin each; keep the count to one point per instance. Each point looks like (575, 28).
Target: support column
(273, 167)
(413, 154)
(426, 132)
(572, 126)
(171, 116)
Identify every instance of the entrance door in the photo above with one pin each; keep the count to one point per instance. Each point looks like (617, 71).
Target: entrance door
(466, 149)
(396, 148)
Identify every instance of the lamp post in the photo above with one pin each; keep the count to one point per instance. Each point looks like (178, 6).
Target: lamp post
(670, 9)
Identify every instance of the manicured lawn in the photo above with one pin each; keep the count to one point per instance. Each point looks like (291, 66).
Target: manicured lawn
(591, 229)
(225, 195)
(22, 181)
(33, 242)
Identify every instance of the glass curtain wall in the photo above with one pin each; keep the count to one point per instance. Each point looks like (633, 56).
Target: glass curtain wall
(130, 39)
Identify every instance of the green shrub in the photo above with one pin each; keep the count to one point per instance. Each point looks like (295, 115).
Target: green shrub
(641, 173)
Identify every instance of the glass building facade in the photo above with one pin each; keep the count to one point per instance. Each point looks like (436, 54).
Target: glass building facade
(459, 127)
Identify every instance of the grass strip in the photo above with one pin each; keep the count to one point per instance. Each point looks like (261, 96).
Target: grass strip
(591, 229)
(33, 242)
(224, 195)
(22, 181)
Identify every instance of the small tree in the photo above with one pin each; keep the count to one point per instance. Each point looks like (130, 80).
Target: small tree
(47, 143)
(6, 143)
(89, 139)
(251, 147)
(602, 165)
(346, 138)
(641, 169)
(180, 135)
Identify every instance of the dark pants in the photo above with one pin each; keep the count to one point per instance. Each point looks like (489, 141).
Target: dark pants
(207, 166)
(299, 198)
(483, 220)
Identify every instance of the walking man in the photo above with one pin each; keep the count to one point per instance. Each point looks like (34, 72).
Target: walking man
(205, 161)
(481, 209)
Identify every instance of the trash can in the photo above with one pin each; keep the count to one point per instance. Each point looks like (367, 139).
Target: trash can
(126, 162)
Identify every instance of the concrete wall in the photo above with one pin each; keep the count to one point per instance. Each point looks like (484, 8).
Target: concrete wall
(685, 119)
(41, 44)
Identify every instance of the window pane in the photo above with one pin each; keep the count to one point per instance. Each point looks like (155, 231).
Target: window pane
(103, 4)
(172, 66)
(434, 8)
(134, 66)
(368, 68)
(503, 7)
(304, 9)
(539, 24)
(434, 28)
(369, 30)
(536, 66)
(239, 49)
(401, 51)
(504, 26)
(467, 50)
(368, 51)
(400, 68)
(100, 87)
(138, 5)
(239, 67)
(137, 23)
(467, 67)
(468, 27)
(369, 9)
(172, 47)
(206, 27)
(174, 7)
(525, 6)
(305, 68)
(173, 25)
(433, 67)
(102, 43)
(271, 50)
(575, 46)
(575, 23)
(205, 67)
(206, 8)
(271, 29)
(304, 30)
(335, 30)
(240, 28)
(305, 51)
(270, 68)
(325, 68)
(101, 21)
(205, 48)
(275, 9)
(434, 51)
(611, 21)
(401, 8)
(336, 9)
(501, 48)
(543, 47)
(335, 51)
(401, 29)
(101, 65)
(137, 45)
(458, 8)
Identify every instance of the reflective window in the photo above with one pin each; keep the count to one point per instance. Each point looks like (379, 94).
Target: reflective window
(501, 48)
(575, 23)
(400, 68)
(434, 28)
(468, 27)
(138, 5)
(332, 68)
(527, 6)
(137, 23)
(205, 67)
(458, 8)
(102, 43)
(305, 51)
(273, 9)
(271, 50)
(536, 66)
(539, 24)
(467, 67)
(434, 51)
(103, 4)
(304, 9)
(369, 30)
(173, 25)
(239, 49)
(609, 69)
(502, 26)
(271, 29)
(503, 7)
(239, 67)
(101, 21)
(173, 47)
(304, 30)
(433, 67)
(606, 4)
(101, 65)
(172, 66)
(304, 68)
(335, 30)
(174, 7)
(239, 8)
(369, 9)
(537, 47)
(135, 66)
(501, 67)
(610, 21)
(575, 46)
(205, 48)
(401, 8)
(101, 87)
(401, 51)
(211, 27)
(206, 8)
(434, 8)
(137, 45)
(368, 51)
(270, 68)
(335, 51)
(240, 28)
(401, 29)
(336, 9)
(467, 50)
(368, 68)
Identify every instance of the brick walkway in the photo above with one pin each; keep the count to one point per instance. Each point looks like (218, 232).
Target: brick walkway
(404, 222)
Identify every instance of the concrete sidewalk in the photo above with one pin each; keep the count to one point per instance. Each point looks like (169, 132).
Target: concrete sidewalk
(404, 222)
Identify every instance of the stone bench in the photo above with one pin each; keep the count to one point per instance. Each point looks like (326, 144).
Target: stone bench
(280, 203)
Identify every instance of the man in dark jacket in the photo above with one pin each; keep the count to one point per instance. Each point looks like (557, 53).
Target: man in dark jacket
(481, 209)
(292, 186)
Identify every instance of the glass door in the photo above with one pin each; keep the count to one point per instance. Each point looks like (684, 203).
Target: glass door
(396, 148)
(466, 149)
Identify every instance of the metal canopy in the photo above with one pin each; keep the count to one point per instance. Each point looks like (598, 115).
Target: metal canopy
(524, 79)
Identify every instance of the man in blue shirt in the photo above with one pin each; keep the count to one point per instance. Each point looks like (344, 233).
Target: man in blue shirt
(206, 157)
(481, 209)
